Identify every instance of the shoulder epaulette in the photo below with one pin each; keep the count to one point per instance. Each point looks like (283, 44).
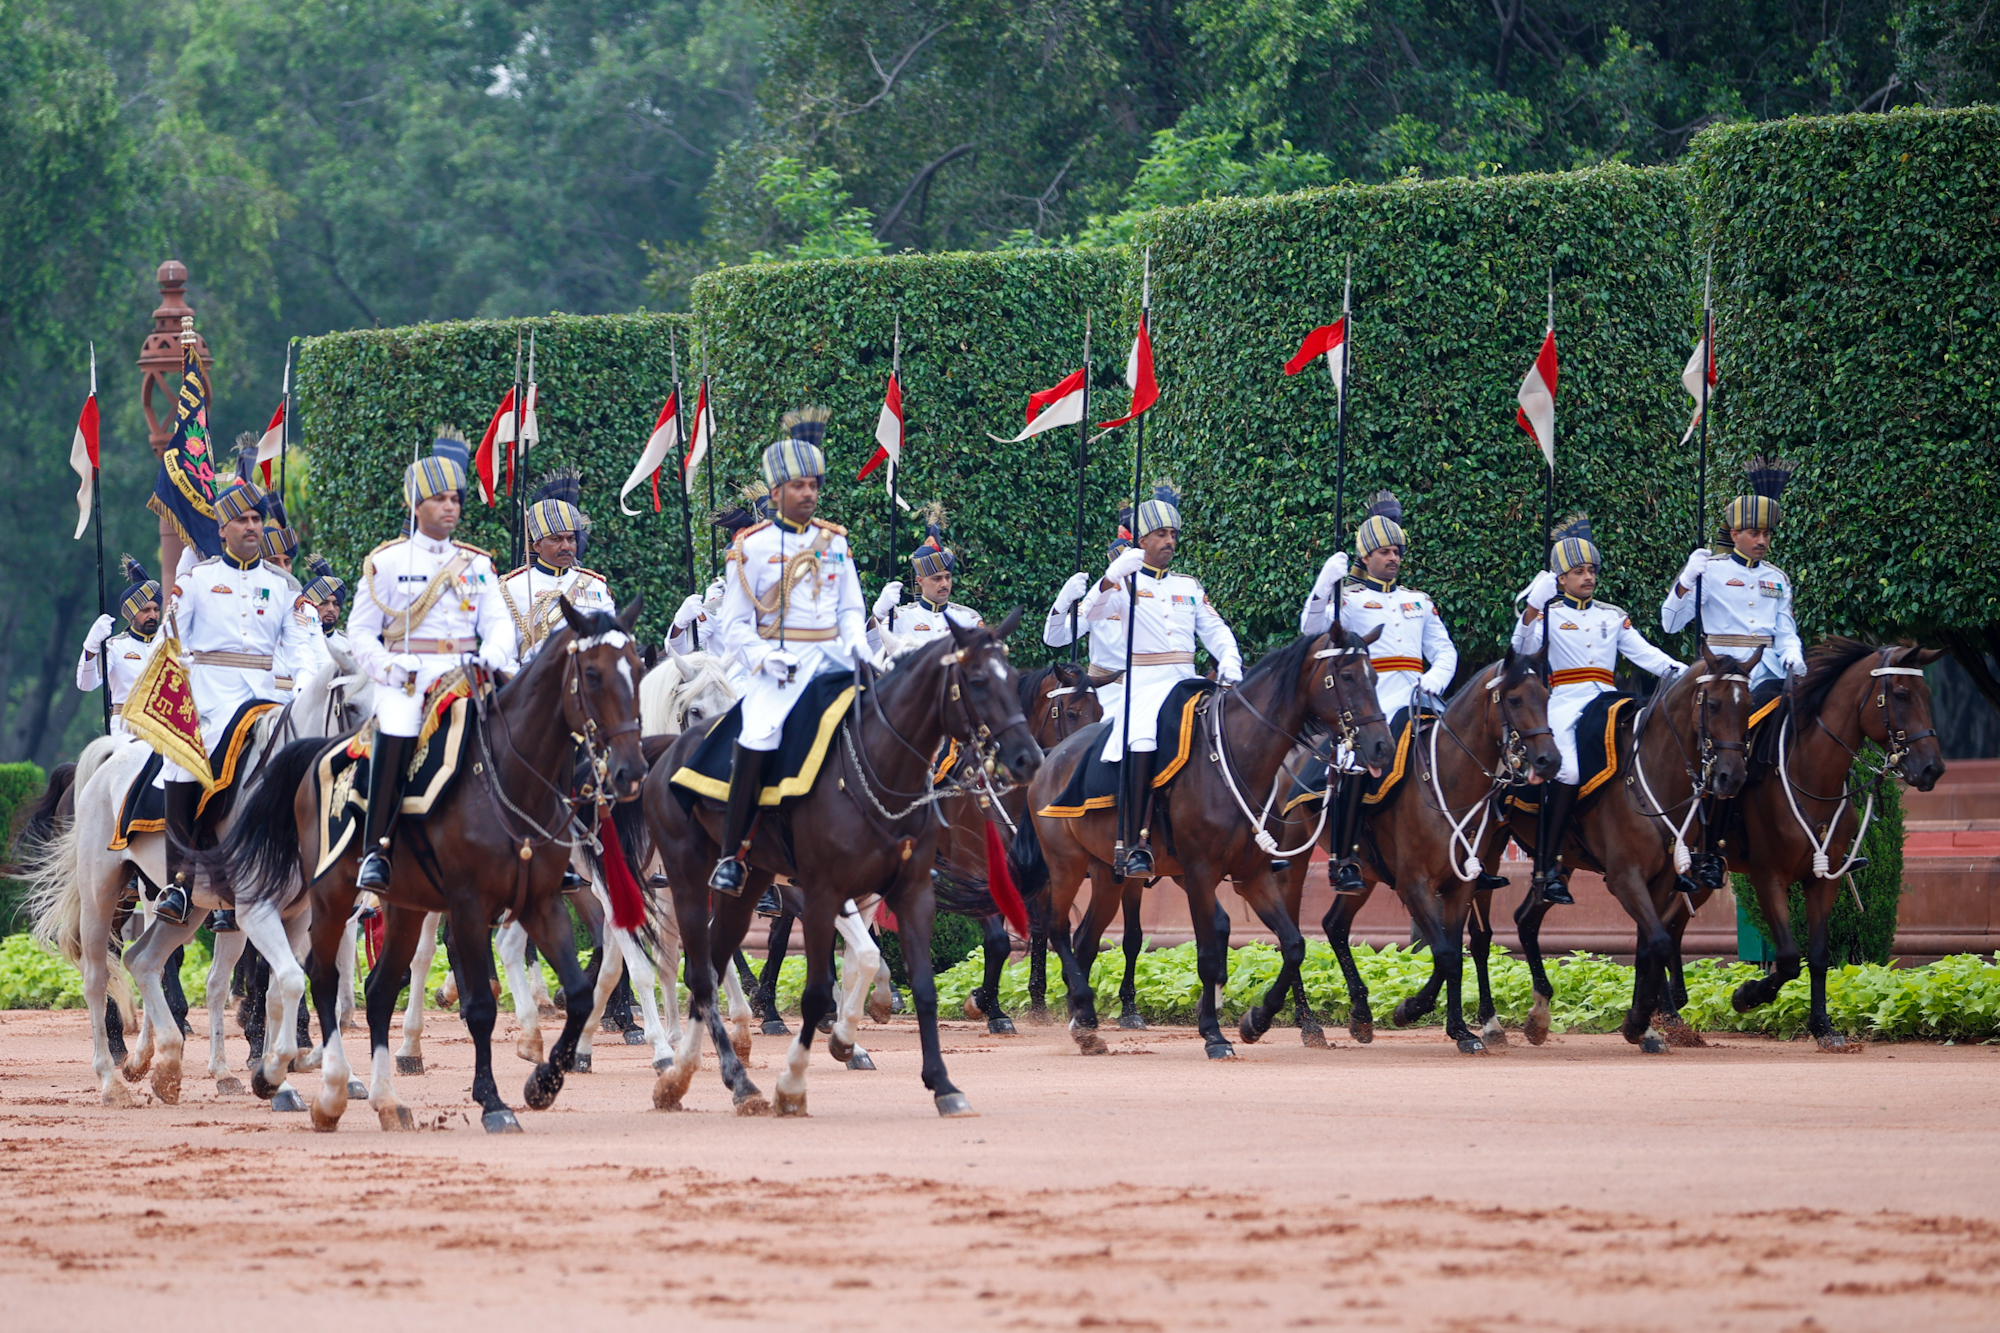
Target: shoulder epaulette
(199, 563)
(593, 574)
(1614, 610)
(385, 546)
(754, 527)
(508, 577)
(833, 528)
(476, 550)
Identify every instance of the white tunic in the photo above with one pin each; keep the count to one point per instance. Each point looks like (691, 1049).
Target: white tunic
(469, 615)
(532, 593)
(1412, 634)
(923, 621)
(681, 643)
(1582, 656)
(823, 625)
(1739, 599)
(126, 654)
(1106, 651)
(1172, 613)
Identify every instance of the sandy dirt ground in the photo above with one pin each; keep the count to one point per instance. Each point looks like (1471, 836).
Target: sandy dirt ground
(1753, 1185)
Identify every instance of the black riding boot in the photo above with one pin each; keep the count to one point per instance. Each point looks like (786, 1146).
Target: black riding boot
(1711, 867)
(178, 892)
(385, 797)
(746, 780)
(1551, 826)
(1137, 807)
(1347, 829)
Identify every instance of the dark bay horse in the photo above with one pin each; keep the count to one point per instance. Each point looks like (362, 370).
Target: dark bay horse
(1244, 736)
(841, 841)
(1688, 741)
(1433, 826)
(1797, 823)
(496, 841)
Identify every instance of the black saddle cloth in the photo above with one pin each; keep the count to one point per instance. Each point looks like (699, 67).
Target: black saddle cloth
(1308, 785)
(1597, 732)
(791, 769)
(1093, 784)
(143, 808)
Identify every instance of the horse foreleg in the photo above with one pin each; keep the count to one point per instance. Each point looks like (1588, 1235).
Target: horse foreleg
(1105, 897)
(401, 933)
(228, 948)
(1266, 900)
(350, 944)
(995, 945)
(1038, 978)
(915, 914)
(730, 923)
(550, 925)
(1772, 895)
(323, 973)
(815, 1002)
(740, 1014)
(646, 981)
(512, 944)
(410, 1056)
(1134, 941)
(471, 964)
(1528, 925)
(1448, 961)
(1338, 923)
(96, 962)
(611, 968)
(1820, 897)
(1211, 948)
(864, 960)
(776, 943)
(147, 962)
(1481, 934)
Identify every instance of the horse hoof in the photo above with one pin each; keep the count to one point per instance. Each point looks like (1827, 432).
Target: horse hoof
(581, 1065)
(409, 1064)
(324, 1121)
(1493, 1034)
(396, 1119)
(1314, 1038)
(972, 1010)
(1471, 1046)
(1677, 1032)
(752, 1103)
(1653, 1044)
(954, 1106)
(261, 1086)
(531, 1051)
(287, 1101)
(1744, 998)
(1832, 1043)
(1408, 1014)
(500, 1121)
(1039, 1016)
(1089, 1043)
(167, 1085)
(134, 1070)
(1248, 1030)
(117, 1097)
(1536, 1030)
(663, 1064)
(860, 1060)
(357, 1090)
(741, 1045)
(539, 1092)
(1000, 1026)
(230, 1086)
(790, 1104)
(1221, 1050)
(1361, 1030)
(878, 1009)
(775, 1027)
(838, 1049)
(1131, 1021)
(637, 1037)
(670, 1087)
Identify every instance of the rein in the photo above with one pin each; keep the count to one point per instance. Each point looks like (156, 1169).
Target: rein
(1513, 758)
(1899, 748)
(978, 736)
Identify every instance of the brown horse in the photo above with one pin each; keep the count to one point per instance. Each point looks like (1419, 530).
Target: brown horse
(840, 841)
(1207, 830)
(496, 841)
(1791, 818)
(1687, 742)
(1430, 830)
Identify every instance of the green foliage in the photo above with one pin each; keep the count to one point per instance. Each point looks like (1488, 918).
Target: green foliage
(1857, 267)
(812, 204)
(19, 784)
(366, 398)
(32, 977)
(1186, 170)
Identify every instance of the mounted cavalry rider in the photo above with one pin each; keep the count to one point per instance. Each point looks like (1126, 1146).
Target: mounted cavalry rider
(124, 654)
(1582, 653)
(1745, 603)
(427, 604)
(327, 595)
(1169, 613)
(556, 530)
(932, 617)
(243, 628)
(792, 610)
(1106, 667)
(696, 616)
(1413, 634)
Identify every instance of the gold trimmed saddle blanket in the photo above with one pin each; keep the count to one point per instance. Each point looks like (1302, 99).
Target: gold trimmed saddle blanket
(791, 769)
(341, 777)
(143, 808)
(1093, 784)
(1597, 732)
(1308, 785)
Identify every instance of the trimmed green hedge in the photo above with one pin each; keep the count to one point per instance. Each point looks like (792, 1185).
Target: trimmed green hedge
(1857, 267)
(19, 784)
(366, 397)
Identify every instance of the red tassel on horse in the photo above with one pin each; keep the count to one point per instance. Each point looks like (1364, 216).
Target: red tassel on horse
(1001, 884)
(628, 905)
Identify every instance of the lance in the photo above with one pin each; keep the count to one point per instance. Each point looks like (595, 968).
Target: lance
(708, 455)
(895, 372)
(1340, 426)
(1701, 468)
(1082, 458)
(285, 422)
(680, 476)
(97, 521)
(1132, 579)
(521, 451)
(513, 444)
(1549, 491)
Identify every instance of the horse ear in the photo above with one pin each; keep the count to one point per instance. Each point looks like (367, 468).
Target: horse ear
(1923, 657)
(578, 625)
(630, 615)
(958, 634)
(1065, 672)
(1372, 635)
(1008, 625)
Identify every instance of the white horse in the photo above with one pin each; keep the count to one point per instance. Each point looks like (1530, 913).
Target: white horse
(78, 883)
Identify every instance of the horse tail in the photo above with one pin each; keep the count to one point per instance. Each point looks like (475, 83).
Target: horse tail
(1031, 873)
(36, 821)
(55, 898)
(262, 849)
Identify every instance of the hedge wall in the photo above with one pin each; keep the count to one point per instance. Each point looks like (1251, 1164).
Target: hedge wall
(1857, 263)
(19, 784)
(366, 397)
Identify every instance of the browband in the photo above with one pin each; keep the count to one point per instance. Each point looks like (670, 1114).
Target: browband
(1897, 671)
(1740, 680)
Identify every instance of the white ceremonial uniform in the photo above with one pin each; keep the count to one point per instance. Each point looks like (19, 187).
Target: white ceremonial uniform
(825, 624)
(1744, 607)
(1413, 633)
(126, 654)
(923, 620)
(465, 619)
(1172, 612)
(1582, 656)
(681, 643)
(1106, 650)
(238, 629)
(308, 664)
(532, 592)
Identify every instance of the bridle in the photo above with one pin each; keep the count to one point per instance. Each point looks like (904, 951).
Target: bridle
(1509, 771)
(1699, 767)
(1057, 712)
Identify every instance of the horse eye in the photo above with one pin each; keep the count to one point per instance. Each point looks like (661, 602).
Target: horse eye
(1514, 700)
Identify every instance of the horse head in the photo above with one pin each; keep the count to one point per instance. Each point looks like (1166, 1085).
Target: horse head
(1065, 703)
(703, 694)
(1897, 714)
(1342, 695)
(600, 695)
(1722, 720)
(982, 683)
(1521, 690)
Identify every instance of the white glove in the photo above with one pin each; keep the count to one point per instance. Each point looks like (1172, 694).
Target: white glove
(1072, 592)
(1229, 673)
(1795, 664)
(888, 599)
(779, 664)
(1543, 590)
(1130, 561)
(692, 609)
(100, 630)
(400, 671)
(1697, 565)
(713, 597)
(1330, 575)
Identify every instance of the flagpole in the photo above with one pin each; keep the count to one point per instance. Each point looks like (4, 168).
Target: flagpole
(1549, 492)
(1082, 457)
(521, 408)
(1701, 470)
(514, 559)
(1132, 579)
(680, 484)
(895, 464)
(708, 457)
(97, 521)
(1340, 424)
(285, 426)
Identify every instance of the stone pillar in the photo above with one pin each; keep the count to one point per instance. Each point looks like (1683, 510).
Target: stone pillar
(160, 368)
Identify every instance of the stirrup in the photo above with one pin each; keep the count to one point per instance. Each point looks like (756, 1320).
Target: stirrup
(1554, 888)
(1135, 863)
(1347, 877)
(172, 904)
(728, 876)
(374, 873)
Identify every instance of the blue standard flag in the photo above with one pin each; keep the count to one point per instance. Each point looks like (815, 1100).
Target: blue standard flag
(184, 490)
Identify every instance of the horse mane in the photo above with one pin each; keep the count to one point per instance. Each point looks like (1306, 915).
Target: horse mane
(1031, 683)
(1826, 662)
(1285, 660)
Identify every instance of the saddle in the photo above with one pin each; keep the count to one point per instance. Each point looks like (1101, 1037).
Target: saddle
(341, 775)
(792, 768)
(143, 808)
(1598, 730)
(1308, 784)
(1093, 784)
